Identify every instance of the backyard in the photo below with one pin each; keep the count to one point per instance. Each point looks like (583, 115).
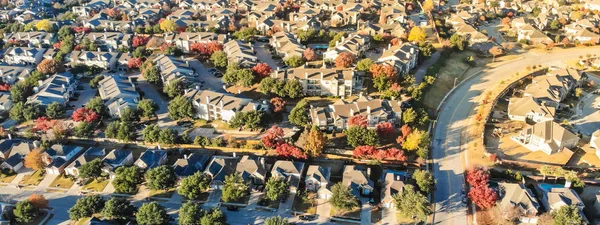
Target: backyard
(353, 214)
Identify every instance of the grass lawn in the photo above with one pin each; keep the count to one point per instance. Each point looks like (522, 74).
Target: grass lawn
(309, 207)
(403, 220)
(82, 221)
(96, 185)
(351, 214)
(243, 200)
(8, 179)
(32, 179)
(162, 193)
(62, 182)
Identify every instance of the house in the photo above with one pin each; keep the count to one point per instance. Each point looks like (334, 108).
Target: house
(14, 161)
(356, 177)
(190, 164)
(348, 15)
(39, 39)
(117, 158)
(219, 168)
(592, 5)
(6, 146)
(527, 109)
(253, 169)
(322, 81)
(473, 35)
(532, 35)
(554, 87)
(12, 74)
(394, 14)
(5, 101)
(109, 41)
(554, 197)
(286, 45)
(57, 88)
(595, 142)
(23, 55)
(317, 180)
(241, 53)
(151, 158)
(584, 36)
(403, 57)
(520, 198)
(185, 40)
(375, 111)
(104, 60)
(87, 9)
(289, 171)
(58, 156)
(89, 155)
(118, 94)
(356, 44)
(172, 69)
(393, 184)
(211, 105)
(548, 137)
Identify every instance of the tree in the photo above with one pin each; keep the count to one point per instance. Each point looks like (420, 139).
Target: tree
(315, 142)
(568, 215)
(16, 112)
(495, 51)
(84, 130)
(151, 133)
(219, 58)
(555, 25)
(364, 151)
(190, 213)
(342, 197)
(505, 21)
(234, 188)
(129, 115)
(344, 60)
(424, 180)
(262, 70)
(364, 64)
(293, 88)
(42, 124)
(294, 61)
(152, 214)
(33, 160)
(92, 169)
(276, 188)
(126, 180)
(97, 104)
(250, 119)
(180, 107)
(25, 212)
(405, 130)
(160, 178)
(357, 120)
(385, 129)
(193, 186)
(147, 107)
(417, 34)
(86, 207)
(309, 54)
(245, 34)
(151, 73)
(416, 140)
(478, 176)
(45, 25)
(356, 136)
(212, 47)
(19, 92)
(174, 88)
(395, 154)
(39, 201)
(427, 6)
(483, 196)
(86, 115)
(267, 85)
(412, 204)
(118, 208)
(140, 41)
(286, 150)
(213, 217)
(458, 41)
(49, 66)
(168, 25)
(409, 116)
(299, 114)
(167, 136)
(276, 220)
(278, 104)
(272, 136)
(134, 63)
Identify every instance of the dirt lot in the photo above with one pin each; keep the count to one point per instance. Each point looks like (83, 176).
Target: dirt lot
(454, 67)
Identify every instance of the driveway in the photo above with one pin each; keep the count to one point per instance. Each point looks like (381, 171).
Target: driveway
(365, 212)
(210, 82)
(388, 217)
(286, 207)
(150, 92)
(264, 55)
(492, 30)
(85, 96)
(587, 115)
(422, 69)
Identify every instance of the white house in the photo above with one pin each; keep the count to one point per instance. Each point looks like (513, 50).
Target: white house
(24, 55)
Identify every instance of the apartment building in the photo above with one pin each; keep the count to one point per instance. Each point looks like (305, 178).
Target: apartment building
(323, 82)
(375, 111)
(211, 105)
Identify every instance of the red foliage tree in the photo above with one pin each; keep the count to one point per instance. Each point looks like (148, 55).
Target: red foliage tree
(395, 154)
(405, 131)
(81, 29)
(140, 41)
(278, 104)
(114, 12)
(212, 47)
(83, 114)
(364, 151)
(198, 48)
(357, 120)
(483, 196)
(493, 157)
(4, 87)
(42, 124)
(134, 63)
(57, 45)
(478, 176)
(262, 70)
(396, 41)
(510, 14)
(272, 136)
(309, 54)
(344, 60)
(287, 150)
(385, 128)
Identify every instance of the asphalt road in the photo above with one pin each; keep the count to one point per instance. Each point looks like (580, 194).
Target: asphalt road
(455, 115)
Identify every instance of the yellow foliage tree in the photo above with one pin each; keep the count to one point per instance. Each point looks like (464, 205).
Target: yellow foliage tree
(44, 25)
(428, 6)
(33, 160)
(315, 142)
(417, 34)
(168, 25)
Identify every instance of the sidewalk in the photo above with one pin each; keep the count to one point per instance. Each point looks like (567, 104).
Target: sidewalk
(323, 210)
(45, 183)
(365, 212)
(286, 208)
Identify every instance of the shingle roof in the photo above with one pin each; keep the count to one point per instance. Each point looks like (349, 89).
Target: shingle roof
(190, 164)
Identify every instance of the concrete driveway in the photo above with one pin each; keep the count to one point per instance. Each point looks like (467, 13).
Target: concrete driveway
(493, 30)
(85, 96)
(388, 217)
(587, 118)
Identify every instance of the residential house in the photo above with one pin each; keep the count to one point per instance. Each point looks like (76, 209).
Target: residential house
(241, 53)
(118, 94)
(394, 14)
(403, 57)
(5, 101)
(473, 35)
(355, 43)
(185, 40)
(287, 45)
(337, 115)
(109, 41)
(289, 171)
(23, 55)
(252, 169)
(532, 35)
(521, 199)
(211, 105)
(322, 81)
(12, 74)
(87, 9)
(172, 69)
(595, 142)
(584, 36)
(548, 137)
(190, 164)
(115, 159)
(57, 88)
(554, 87)
(104, 60)
(554, 197)
(356, 177)
(14, 160)
(219, 168)
(304, 14)
(151, 158)
(6, 145)
(393, 184)
(348, 15)
(39, 39)
(592, 5)
(527, 109)
(58, 156)
(89, 155)
(317, 180)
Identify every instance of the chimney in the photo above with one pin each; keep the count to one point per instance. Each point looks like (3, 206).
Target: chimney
(9, 136)
(306, 75)
(36, 144)
(40, 83)
(1, 72)
(234, 155)
(262, 161)
(105, 36)
(28, 36)
(351, 112)
(321, 75)
(94, 37)
(19, 36)
(221, 103)
(342, 39)
(99, 49)
(207, 99)
(277, 72)
(185, 91)
(389, 46)
(188, 36)
(64, 87)
(408, 55)
(412, 50)
(239, 91)
(369, 110)
(368, 171)
(567, 184)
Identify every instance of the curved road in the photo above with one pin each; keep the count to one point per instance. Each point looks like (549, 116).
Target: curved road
(454, 116)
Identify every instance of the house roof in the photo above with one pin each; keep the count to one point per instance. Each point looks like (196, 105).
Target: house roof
(190, 164)
(320, 173)
(552, 132)
(302, 73)
(116, 86)
(394, 184)
(151, 158)
(58, 150)
(89, 155)
(251, 165)
(517, 195)
(7, 144)
(527, 104)
(220, 167)
(356, 175)
(116, 156)
(224, 101)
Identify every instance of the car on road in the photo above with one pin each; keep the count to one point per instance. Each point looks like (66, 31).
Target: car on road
(212, 70)
(233, 208)
(308, 217)
(218, 74)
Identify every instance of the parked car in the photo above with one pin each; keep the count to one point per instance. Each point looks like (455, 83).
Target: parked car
(233, 208)
(308, 217)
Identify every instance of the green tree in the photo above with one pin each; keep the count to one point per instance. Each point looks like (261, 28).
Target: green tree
(294, 61)
(55, 110)
(250, 119)
(180, 107)
(293, 89)
(299, 114)
(234, 188)
(219, 59)
(92, 169)
(152, 214)
(19, 92)
(147, 107)
(459, 42)
(555, 25)
(126, 180)
(357, 136)
(276, 188)
(16, 112)
(409, 116)
(167, 136)
(25, 212)
(412, 204)
(160, 178)
(245, 34)
(424, 180)
(118, 208)
(267, 85)
(364, 64)
(84, 130)
(190, 213)
(213, 217)
(97, 104)
(151, 133)
(152, 74)
(129, 115)
(381, 83)
(342, 197)
(65, 31)
(193, 186)
(96, 80)
(174, 88)
(126, 132)
(276, 220)
(86, 207)
(568, 215)
(426, 49)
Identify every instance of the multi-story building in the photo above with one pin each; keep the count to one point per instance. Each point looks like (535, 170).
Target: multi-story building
(286, 45)
(355, 43)
(23, 55)
(118, 94)
(172, 69)
(40, 39)
(109, 41)
(104, 60)
(323, 82)
(57, 88)
(211, 105)
(184, 40)
(337, 115)
(404, 57)
(240, 53)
